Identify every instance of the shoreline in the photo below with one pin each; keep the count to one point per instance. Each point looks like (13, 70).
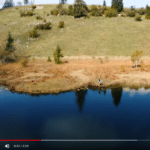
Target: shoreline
(42, 77)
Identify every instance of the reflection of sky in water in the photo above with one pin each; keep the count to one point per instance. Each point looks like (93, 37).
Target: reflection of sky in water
(140, 91)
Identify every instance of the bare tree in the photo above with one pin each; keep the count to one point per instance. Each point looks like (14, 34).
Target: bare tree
(25, 2)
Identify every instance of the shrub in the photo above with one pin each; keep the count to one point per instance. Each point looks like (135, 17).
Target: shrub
(95, 11)
(147, 16)
(33, 58)
(33, 6)
(61, 24)
(44, 12)
(33, 34)
(141, 11)
(44, 20)
(136, 56)
(107, 58)
(80, 9)
(102, 9)
(23, 14)
(131, 13)
(39, 18)
(142, 66)
(111, 13)
(47, 25)
(70, 10)
(49, 59)
(63, 11)
(138, 18)
(59, 6)
(122, 68)
(24, 62)
(43, 26)
(101, 60)
(57, 54)
(29, 13)
(55, 12)
(47, 14)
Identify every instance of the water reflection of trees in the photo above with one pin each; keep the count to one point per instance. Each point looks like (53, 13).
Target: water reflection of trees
(102, 90)
(116, 94)
(80, 97)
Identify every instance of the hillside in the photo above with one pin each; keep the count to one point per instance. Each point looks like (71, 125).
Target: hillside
(97, 36)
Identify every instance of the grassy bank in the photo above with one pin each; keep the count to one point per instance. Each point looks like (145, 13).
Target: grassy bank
(92, 37)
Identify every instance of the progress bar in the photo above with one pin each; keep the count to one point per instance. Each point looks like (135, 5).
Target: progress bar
(93, 140)
(77, 140)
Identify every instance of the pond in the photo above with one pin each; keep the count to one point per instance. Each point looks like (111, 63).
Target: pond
(110, 115)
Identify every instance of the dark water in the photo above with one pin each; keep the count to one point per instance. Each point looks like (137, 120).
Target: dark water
(111, 114)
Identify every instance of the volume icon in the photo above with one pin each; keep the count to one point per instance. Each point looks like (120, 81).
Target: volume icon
(7, 145)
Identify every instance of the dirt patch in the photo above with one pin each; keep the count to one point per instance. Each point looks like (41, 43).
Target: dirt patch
(41, 76)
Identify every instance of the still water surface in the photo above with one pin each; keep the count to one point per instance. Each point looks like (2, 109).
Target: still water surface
(118, 113)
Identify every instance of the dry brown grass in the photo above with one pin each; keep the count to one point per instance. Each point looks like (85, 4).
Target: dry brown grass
(41, 75)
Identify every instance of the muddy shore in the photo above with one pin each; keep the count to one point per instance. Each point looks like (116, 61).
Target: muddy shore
(42, 77)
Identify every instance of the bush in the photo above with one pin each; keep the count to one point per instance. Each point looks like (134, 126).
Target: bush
(59, 6)
(44, 12)
(44, 20)
(95, 11)
(24, 62)
(33, 6)
(39, 18)
(111, 13)
(63, 11)
(23, 14)
(33, 34)
(131, 13)
(61, 24)
(141, 11)
(57, 54)
(29, 13)
(47, 14)
(47, 25)
(142, 66)
(138, 18)
(147, 16)
(70, 10)
(101, 60)
(49, 59)
(136, 56)
(43, 26)
(80, 9)
(122, 68)
(55, 12)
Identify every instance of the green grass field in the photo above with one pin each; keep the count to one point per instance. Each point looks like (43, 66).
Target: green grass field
(97, 36)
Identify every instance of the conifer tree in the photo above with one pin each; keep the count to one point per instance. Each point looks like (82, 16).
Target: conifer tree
(63, 1)
(57, 54)
(104, 3)
(117, 4)
(9, 46)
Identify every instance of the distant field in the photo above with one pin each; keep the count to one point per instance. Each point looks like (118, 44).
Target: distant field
(93, 37)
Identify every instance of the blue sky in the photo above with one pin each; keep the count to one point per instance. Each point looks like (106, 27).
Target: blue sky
(127, 3)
